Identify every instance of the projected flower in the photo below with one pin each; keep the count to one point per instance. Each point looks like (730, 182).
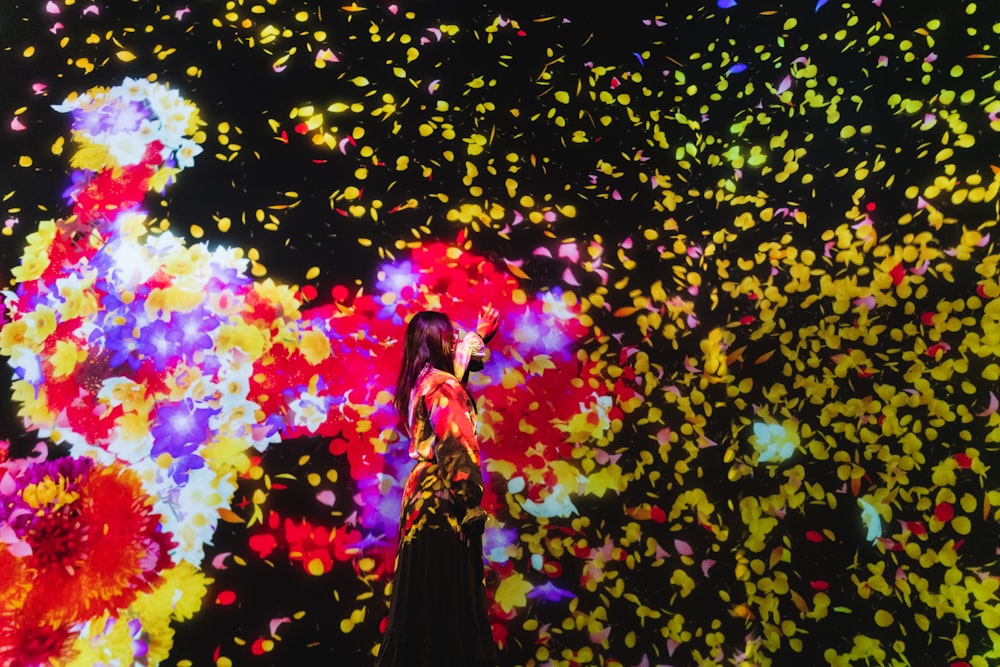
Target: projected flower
(774, 442)
(764, 243)
(79, 541)
(130, 343)
(135, 348)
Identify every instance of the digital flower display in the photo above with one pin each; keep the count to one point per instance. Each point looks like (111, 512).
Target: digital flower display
(742, 407)
(79, 541)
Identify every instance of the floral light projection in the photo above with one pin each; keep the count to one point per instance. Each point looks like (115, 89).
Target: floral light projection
(140, 351)
(744, 405)
(80, 544)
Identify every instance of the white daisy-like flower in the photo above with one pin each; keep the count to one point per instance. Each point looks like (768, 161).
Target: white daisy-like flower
(134, 90)
(127, 148)
(186, 152)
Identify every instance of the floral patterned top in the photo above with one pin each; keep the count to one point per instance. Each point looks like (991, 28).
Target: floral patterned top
(447, 481)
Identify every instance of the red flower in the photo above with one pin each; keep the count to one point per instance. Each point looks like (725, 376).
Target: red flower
(897, 273)
(25, 643)
(93, 548)
(944, 512)
(112, 190)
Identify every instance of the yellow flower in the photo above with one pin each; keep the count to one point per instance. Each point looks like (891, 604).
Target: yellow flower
(177, 598)
(227, 453)
(33, 265)
(247, 338)
(133, 426)
(13, 335)
(104, 641)
(125, 392)
(90, 155)
(33, 407)
(132, 226)
(280, 295)
(716, 367)
(48, 493)
(682, 580)
(315, 346)
(513, 592)
(41, 323)
(173, 298)
(186, 261)
(78, 299)
(39, 240)
(65, 358)
(161, 179)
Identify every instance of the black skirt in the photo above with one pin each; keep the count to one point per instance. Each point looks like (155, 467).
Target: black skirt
(437, 612)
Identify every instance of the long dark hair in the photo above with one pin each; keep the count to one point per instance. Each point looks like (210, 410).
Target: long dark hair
(429, 341)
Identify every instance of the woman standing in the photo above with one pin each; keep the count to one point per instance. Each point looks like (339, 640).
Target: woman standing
(437, 612)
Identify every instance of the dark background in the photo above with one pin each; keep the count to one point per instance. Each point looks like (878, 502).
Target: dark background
(216, 59)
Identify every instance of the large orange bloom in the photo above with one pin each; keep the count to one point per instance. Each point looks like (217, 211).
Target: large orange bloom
(95, 543)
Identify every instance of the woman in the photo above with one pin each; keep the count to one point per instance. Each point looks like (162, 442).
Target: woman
(437, 612)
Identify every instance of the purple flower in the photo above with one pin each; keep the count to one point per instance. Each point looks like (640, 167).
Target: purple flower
(104, 262)
(394, 277)
(495, 543)
(116, 328)
(28, 367)
(537, 332)
(181, 466)
(157, 345)
(190, 332)
(226, 277)
(80, 178)
(179, 428)
(111, 118)
(550, 592)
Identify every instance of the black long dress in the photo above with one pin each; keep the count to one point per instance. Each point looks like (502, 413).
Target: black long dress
(437, 611)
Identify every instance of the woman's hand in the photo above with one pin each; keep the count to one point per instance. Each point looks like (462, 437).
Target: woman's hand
(488, 322)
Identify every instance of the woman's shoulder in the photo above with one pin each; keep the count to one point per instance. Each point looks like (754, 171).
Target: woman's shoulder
(436, 380)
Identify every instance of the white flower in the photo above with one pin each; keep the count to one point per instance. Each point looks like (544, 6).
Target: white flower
(134, 90)
(309, 411)
(131, 265)
(127, 148)
(27, 365)
(186, 152)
